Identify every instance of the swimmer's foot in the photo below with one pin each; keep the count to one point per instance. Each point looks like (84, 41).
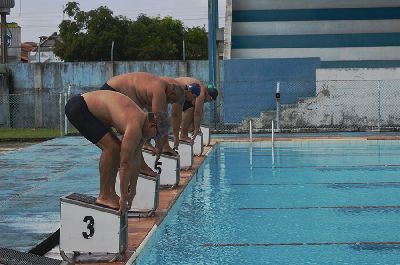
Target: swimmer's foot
(169, 152)
(146, 170)
(108, 203)
(186, 139)
(149, 147)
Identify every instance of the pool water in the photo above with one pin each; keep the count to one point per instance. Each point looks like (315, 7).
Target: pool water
(310, 202)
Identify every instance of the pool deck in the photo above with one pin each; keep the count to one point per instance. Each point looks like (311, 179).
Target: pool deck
(140, 229)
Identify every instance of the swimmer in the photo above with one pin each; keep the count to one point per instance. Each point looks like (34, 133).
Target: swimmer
(192, 113)
(151, 93)
(94, 114)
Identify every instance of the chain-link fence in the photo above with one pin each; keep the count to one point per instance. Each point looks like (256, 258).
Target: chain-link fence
(302, 107)
(32, 110)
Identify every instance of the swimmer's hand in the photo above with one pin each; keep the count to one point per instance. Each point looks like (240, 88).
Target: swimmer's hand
(176, 143)
(195, 133)
(131, 195)
(122, 205)
(157, 154)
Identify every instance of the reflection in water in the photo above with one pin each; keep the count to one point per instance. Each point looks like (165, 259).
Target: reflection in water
(377, 248)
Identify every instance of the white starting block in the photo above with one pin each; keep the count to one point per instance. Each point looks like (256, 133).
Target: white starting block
(90, 232)
(185, 154)
(197, 144)
(145, 202)
(168, 167)
(206, 134)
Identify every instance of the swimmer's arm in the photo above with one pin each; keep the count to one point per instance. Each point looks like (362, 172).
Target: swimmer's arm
(198, 111)
(176, 121)
(159, 101)
(129, 165)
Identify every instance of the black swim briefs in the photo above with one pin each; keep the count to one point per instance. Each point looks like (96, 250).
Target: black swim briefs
(187, 105)
(84, 121)
(107, 87)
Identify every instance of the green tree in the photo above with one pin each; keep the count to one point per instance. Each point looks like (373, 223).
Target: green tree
(87, 36)
(196, 42)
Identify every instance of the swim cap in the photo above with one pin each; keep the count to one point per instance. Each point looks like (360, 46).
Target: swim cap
(194, 88)
(212, 92)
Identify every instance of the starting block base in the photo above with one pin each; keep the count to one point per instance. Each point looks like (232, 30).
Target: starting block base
(168, 167)
(198, 144)
(146, 199)
(185, 154)
(206, 134)
(90, 232)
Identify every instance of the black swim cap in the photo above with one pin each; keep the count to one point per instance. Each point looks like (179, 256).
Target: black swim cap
(213, 93)
(194, 88)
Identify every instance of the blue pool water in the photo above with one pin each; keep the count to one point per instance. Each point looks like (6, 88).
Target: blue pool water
(310, 202)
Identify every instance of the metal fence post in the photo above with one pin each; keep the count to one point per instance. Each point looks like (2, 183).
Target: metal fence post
(278, 105)
(66, 97)
(379, 106)
(60, 104)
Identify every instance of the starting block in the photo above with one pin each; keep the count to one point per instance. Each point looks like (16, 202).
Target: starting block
(198, 144)
(185, 154)
(168, 167)
(146, 200)
(90, 232)
(206, 134)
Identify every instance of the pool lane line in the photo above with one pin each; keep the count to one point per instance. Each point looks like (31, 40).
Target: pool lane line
(321, 207)
(327, 167)
(383, 183)
(328, 155)
(299, 244)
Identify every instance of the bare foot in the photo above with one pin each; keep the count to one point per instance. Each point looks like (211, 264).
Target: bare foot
(108, 203)
(146, 170)
(169, 151)
(149, 147)
(186, 139)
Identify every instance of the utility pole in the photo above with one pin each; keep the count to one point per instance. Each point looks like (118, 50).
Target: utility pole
(212, 40)
(5, 6)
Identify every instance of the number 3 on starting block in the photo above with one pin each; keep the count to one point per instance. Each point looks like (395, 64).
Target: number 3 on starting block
(90, 232)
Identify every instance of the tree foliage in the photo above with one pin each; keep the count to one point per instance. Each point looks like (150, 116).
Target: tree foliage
(88, 36)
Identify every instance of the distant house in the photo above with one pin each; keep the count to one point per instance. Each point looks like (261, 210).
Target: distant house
(26, 48)
(43, 52)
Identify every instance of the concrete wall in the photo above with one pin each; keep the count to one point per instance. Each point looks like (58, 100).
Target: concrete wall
(250, 85)
(41, 85)
(342, 33)
(346, 99)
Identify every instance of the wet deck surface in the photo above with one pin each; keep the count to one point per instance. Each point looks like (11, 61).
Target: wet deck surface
(32, 180)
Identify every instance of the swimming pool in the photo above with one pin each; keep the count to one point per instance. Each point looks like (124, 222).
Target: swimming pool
(304, 202)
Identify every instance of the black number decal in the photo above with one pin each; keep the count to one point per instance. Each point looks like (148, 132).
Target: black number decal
(158, 167)
(90, 227)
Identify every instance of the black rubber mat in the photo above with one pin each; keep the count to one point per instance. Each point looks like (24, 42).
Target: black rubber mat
(13, 257)
(82, 198)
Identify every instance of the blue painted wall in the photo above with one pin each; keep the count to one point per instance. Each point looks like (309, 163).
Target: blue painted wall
(41, 84)
(250, 84)
(316, 14)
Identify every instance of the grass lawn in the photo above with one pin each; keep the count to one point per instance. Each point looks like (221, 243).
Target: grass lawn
(28, 134)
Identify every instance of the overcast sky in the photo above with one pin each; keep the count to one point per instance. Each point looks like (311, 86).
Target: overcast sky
(42, 17)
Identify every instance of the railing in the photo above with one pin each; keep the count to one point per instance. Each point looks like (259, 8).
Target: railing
(345, 105)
